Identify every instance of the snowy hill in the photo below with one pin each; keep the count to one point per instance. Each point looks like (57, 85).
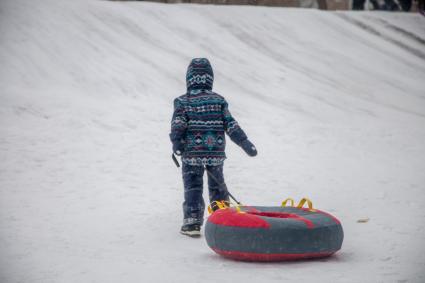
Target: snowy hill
(334, 102)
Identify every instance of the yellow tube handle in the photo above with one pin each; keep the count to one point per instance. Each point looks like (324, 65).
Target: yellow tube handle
(285, 202)
(304, 201)
(219, 204)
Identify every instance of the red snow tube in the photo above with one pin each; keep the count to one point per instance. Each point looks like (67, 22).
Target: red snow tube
(258, 233)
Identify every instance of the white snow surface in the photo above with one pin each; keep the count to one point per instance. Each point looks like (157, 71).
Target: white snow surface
(334, 102)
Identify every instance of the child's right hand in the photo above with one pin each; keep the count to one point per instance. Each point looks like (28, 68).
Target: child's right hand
(249, 148)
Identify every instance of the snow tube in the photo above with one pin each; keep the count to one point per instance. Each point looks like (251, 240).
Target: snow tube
(259, 233)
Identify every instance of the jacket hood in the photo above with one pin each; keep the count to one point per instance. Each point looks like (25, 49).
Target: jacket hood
(200, 75)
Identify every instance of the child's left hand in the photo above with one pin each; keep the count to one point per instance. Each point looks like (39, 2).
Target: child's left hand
(178, 148)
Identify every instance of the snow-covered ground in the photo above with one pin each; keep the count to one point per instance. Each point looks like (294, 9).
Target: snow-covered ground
(334, 102)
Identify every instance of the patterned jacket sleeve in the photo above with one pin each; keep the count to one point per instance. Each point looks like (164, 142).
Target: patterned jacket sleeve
(231, 126)
(178, 125)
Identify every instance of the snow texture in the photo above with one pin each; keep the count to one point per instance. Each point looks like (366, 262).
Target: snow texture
(334, 102)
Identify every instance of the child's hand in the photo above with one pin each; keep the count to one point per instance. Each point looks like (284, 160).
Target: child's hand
(178, 148)
(249, 148)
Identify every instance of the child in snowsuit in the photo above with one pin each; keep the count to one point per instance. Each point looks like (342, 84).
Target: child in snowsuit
(200, 120)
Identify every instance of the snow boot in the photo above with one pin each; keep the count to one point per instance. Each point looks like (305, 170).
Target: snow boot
(193, 231)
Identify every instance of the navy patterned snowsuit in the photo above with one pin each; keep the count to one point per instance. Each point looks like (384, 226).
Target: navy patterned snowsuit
(200, 120)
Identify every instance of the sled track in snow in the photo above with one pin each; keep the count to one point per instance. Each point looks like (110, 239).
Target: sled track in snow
(374, 31)
(402, 31)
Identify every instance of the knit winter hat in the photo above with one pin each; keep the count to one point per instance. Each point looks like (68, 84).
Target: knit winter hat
(199, 75)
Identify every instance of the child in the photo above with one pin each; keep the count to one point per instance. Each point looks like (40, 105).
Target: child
(200, 119)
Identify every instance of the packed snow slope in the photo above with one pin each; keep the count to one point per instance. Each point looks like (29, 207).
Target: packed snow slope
(334, 102)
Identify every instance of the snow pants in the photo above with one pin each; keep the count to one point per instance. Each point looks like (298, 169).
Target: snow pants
(193, 205)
